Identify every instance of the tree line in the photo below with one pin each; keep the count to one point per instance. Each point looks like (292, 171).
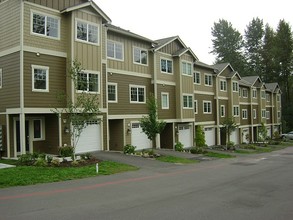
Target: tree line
(260, 51)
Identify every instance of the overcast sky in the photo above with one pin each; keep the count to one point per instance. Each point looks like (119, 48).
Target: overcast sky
(192, 20)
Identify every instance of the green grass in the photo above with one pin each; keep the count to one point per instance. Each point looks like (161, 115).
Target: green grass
(30, 175)
(218, 155)
(9, 161)
(172, 159)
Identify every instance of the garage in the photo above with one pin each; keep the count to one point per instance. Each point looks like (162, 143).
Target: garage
(139, 138)
(90, 138)
(234, 137)
(210, 136)
(269, 132)
(185, 135)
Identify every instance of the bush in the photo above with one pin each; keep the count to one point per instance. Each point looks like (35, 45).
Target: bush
(249, 147)
(55, 163)
(129, 149)
(49, 159)
(26, 159)
(197, 150)
(66, 151)
(40, 162)
(179, 147)
(230, 145)
(75, 163)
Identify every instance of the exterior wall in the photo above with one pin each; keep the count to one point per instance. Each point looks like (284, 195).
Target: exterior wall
(172, 47)
(201, 117)
(116, 135)
(10, 92)
(242, 120)
(228, 112)
(10, 25)
(169, 77)
(167, 113)
(58, 5)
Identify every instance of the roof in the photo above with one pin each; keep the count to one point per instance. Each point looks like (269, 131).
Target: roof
(272, 86)
(221, 66)
(87, 4)
(243, 82)
(199, 63)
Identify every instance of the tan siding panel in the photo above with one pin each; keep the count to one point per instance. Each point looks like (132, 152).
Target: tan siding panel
(58, 5)
(171, 112)
(200, 117)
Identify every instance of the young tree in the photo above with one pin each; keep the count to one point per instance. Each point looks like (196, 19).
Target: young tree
(262, 133)
(228, 126)
(150, 125)
(200, 137)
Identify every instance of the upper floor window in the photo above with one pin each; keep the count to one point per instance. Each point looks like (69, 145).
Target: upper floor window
(235, 86)
(254, 93)
(195, 107)
(208, 80)
(165, 100)
(254, 114)
(137, 94)
(88, 82)
(166, 66)
(45, 25)
(278, 97)
(187, 101)
(40, 78)
(263, 94)
(244, 114)
(1, 78)
(268, 114)
(87, 32)
(244, 93)
(236, 111)
(268, 97)
(196, 78)
(112, 92)
(207, 107)
(222, 111)
(140, 56)
(279, 114)
(115, 50)
(263, 113)
(223, 85)
(186, 68)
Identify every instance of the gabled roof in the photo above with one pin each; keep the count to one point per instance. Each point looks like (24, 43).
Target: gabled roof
(88, 4)
(199, 63)
(243, 82)
(220, 67)
(272, 87)
(252, 79)
(128, 33)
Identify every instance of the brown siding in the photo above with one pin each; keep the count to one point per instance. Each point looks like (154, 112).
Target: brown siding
(58, 5)
(200, 117)
(171, 112)
(57, 84)
(245, 121)
(10, 92)
(172, 47)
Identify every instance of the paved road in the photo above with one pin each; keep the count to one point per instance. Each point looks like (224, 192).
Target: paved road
(255, 187)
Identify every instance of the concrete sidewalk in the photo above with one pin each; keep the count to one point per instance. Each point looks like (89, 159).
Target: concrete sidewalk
(2, 166)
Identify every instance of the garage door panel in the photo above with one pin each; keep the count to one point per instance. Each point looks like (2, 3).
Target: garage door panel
(210, 136)
(185, 136)
(138, 138)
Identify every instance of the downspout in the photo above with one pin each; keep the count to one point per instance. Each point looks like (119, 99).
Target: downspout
(251, 115)
(217, 112)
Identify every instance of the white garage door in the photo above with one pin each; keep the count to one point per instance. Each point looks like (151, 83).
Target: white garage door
(139, 138)
(210, 136)
(90, 138)
(234, 137)
(185, 135)
(269, 132)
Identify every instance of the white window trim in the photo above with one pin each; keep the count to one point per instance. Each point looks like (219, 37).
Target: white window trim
(268, 97)
(166, 72)
(116, 42)
(263, 94)
(246, 94)
(166, 94)
(137, 86)
(186, 74)
(195, 102)
(43, 132)
(88, 23)
(254, 93)
(263, 113)
(211, 107)
(279, 114)
(47, 15)
(141, 49)
(116, 92)
(225, 83)
(224, 107)
(237, 87)
(236, 106)
(254, 114)
(268, 115)
(244, 114)
(47, 78)
(188, 95)
(99, 82)
(1, 78)
(194, 78)
(209, 75)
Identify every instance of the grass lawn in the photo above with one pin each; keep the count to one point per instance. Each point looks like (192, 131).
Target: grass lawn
(172, 159)
(267, 149)
(218, 155)
(30, 175)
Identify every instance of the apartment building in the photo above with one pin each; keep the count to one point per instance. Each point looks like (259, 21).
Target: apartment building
(42, 38)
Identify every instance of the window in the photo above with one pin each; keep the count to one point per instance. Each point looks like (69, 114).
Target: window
(268, 114)
(236, 111)
(166, 66)
(254, 113)
(87, 32)
(244, 114)
(279, 114)
(112, 92)
(244, 93)
(268, 97)
(88, 82)
(278, 98)
(196, 78)
(140, 56)
(40, 78)
(137, 94)
(187, 101)
(38, 129)
(254, 93)
(186, 68)
(208, 80)
(195, 107)
(115, 50)
(263, 113)
(1, 78)
(263, 94)
(45, 25)
(165, 100)
(207, 107)
(235, 86)
(222, 110)
(223, 85)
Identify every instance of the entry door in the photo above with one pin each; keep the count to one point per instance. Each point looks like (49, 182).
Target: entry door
(27, 141)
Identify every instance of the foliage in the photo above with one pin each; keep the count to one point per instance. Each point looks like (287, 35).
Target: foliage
(40, 162)
(230, 145)
(150, 125)
(179, 147)
(129, 149)
(262, 133)
(197, 150)
(200, 137)
(248, 146)
(228, 126)
(66, 151)
(26, 159)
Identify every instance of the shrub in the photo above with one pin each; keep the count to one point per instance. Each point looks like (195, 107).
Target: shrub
(66, 151)
(179, 147)
(55, 163)
(26, 159)
(75, 163)
(197, 150)
(129, 149)
(40, 162)
(230, 145)
(49, 159)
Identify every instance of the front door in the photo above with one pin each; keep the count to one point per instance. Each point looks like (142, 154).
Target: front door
(27, 140)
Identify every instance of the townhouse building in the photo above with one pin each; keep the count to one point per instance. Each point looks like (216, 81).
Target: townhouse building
(40, 39)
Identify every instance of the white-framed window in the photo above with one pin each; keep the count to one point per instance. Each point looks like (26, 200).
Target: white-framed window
(88, 81)
(112, 92)
(207, 107)
(268, 97)
(38, 129)
(240, 92)
(195, 107)
(208, 79)
(115, 50)
(140, 56)
(254, 114)
(40, 78)
(279, 115)
(244, 114)
(165, 100)
(223, 85)
(235, 86)
(254, 93)
(278, 97)
(196, 78)
(166, 66)
(186, 68)
(236, 110)
(268, 114)
(45, 25)
(263, 113)
(137, 94)
(222, 111)
(87, 32)
(188, 101)
(244, 93)
(263, 94)
(1, 78)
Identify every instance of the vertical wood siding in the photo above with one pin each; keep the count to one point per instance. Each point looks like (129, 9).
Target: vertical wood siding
(171, 112)
(57, 4)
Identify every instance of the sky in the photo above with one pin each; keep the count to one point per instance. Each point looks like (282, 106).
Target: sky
(192, 20)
